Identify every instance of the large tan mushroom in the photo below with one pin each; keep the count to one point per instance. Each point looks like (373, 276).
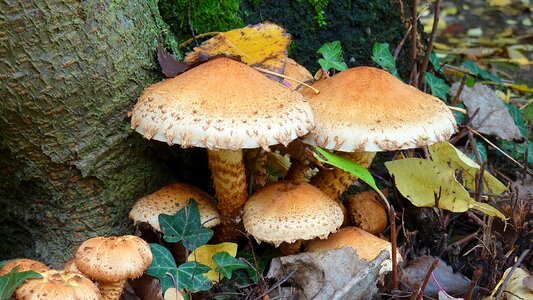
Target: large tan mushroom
(169, 200)
(224, 106)
(58, 285)
(363, 110)
(113, 260)
(288, 211)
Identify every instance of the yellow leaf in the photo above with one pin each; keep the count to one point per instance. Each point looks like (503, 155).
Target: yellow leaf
(205, 253)
(520, 87)
(262, 45)
(173, 294)
(420, 180)
(499, 3)
(446, 153)
(516, 56)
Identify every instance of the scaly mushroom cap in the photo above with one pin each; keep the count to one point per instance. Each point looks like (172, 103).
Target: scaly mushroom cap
(171, 198)
(114, 258)
(367, 109)
(58, 285)
(221, 104)
(287, 211)
(298, 72)
(366, 212)
(23, 264)
(367, 245)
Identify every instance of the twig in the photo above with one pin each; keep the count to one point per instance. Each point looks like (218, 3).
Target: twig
(526, 161)
(508, 277)
(461, 110)
(476, 219)
(276, 284)
(462, 241)
(502, 152)
(420, 292)
(393, 235)
(459, 91)
(475, 278)
(407, 32)
(286, 77)
(430, 44)
(187, 42)
(414, 49)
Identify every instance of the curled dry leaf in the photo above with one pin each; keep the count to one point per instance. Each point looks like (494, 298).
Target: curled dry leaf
(204, 255)
(516, 288)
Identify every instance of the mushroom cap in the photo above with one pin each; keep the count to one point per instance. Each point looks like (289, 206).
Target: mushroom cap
(70, 266)
(366, 212)
(221, 104)
(286, 211)
(114, 258)
(23, 264)
(296, 71)
(169, 200)
(368, 109)
(58, 285)
(367, 245)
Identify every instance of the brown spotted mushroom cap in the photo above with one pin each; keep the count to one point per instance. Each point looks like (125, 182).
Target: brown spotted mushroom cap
(365, 211)
(366, 245)
(169, 200)
(287, 211)
(221, 104)
(114, 258)
(58, 285)
(23, 264)
(368, 109)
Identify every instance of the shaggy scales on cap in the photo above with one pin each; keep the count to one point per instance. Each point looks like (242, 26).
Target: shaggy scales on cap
(58, 285)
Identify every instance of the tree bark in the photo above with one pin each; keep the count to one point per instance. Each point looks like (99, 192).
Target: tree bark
(70, 167)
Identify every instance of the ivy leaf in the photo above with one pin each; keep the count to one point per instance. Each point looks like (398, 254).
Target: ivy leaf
(185, 226)
(262, 262)
(435, 61)
(518, 119)
(332, 54)
(345, 164)
(470, 65)
(162, 265)
(481, 150)
(190, 275)
(12, 280)
(438, 86)
(204, 255)
(470, 81)
(382, 56)
(517, 151)
(227, 263)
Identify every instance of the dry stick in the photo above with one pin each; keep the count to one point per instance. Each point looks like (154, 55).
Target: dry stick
(462, 241)
(420, 292)
(430, 44)
(459, 91)
(393, 235)
(286, 77)
(414, 54)
(407, 32)
(526, 161)
(187, 42)
(502, 152)
(508, 277)
(475, 278)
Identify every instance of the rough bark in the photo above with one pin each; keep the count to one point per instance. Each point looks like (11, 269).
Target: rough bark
(70, 167)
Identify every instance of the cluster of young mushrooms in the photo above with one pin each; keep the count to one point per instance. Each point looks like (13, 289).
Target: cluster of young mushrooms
(229, 107)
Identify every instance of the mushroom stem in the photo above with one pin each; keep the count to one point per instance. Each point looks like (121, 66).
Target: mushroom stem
(111, 290)
(229, 179)
(291, 248)
(334, 182)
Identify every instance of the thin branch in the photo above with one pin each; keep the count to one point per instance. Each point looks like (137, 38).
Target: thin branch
(426, 280)
(459, 91)
(508, 277)
(430, 44)
(286, 77)
(187, 42)
(414, 50)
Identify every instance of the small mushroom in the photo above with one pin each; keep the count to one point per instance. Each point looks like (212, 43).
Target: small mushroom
(364, 210)
(363, 110)
(23, 264)
(366, 245)
(113, 260)
(169, 200)
(289, 211)
(58, 285)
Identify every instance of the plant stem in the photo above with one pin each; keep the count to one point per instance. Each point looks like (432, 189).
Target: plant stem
(430, 44)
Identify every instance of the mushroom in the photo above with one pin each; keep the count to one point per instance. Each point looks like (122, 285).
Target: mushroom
(169, 200)
(113, 260)
(224, 106)
(58, 285)
(289, 211)
(365, 211)
(70, 266)
(366, 245)
(298, 72)
(23, 264)
(363, 110)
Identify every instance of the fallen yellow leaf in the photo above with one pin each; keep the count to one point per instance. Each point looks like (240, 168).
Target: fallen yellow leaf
(447, 154)
(262, 45)
(173, 294)
(205, 253)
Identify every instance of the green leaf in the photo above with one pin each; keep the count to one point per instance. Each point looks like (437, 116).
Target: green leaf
(470, 81)
(185, 226)
(438, 86)
(190, 275)
(227, 263)
(332, 54)
(460, 118)
(262, 262)
(470, 65)
(422, 181)
(12, 280)
(518, 119)
(345, 164)
(527, 113)
(162, 264)
(435, 61)
(481, 150)
(517, 151)
(382, 56)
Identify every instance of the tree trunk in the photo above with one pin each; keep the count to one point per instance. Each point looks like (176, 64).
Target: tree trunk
(70, 167)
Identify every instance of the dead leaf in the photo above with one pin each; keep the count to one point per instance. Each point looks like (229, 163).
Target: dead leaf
(147, 287)
(414, 273)
(204, 255)
(493, 117)
(173, 294)
(169, 65)
(262, 45)
(516, 289)
(333, 274)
